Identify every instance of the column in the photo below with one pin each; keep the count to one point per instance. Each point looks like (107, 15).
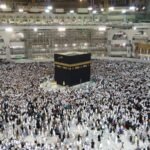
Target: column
(106, 4)
(109, 48)
(130, 2)
(33, 1)
(129, 51)
(28, 50)
(6, 37)
(140, 53)
(148, 6)
(28, 43)
(147, 56)
(8, 54)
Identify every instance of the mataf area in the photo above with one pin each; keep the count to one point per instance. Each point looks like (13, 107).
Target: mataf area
(109, 113)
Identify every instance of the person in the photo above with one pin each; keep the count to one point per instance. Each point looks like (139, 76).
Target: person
(92, 144)
(99, 138)
(99, 111)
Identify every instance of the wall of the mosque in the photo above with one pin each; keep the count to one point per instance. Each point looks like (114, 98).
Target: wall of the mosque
(47, 42)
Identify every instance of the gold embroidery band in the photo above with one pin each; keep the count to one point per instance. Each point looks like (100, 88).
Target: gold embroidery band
(73, 65)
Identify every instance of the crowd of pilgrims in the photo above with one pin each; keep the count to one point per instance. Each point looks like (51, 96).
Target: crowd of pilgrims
(108, 113)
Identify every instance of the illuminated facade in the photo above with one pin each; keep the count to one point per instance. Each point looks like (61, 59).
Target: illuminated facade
(77, 3)
(34, 30)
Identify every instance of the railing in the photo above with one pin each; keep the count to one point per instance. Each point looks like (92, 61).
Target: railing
(55, 19)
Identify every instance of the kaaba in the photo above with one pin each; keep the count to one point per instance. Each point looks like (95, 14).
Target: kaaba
(72, 68)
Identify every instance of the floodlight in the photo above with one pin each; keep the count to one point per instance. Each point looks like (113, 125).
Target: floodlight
(85, 44)
(56, 45)
(71, 11)
(94, 12)
(20, 10)
(102, 28)
(143, 8)
(9, 29)
(35, 29)
(134, 28)
(90, 8)
(124, 11)
(124, 44)
(47, 10)
(50, 7)
(132, 8)
(61, 29)
(66, 45)
(111, 8)
(102, 9)
(74, 44)
(3, 6)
